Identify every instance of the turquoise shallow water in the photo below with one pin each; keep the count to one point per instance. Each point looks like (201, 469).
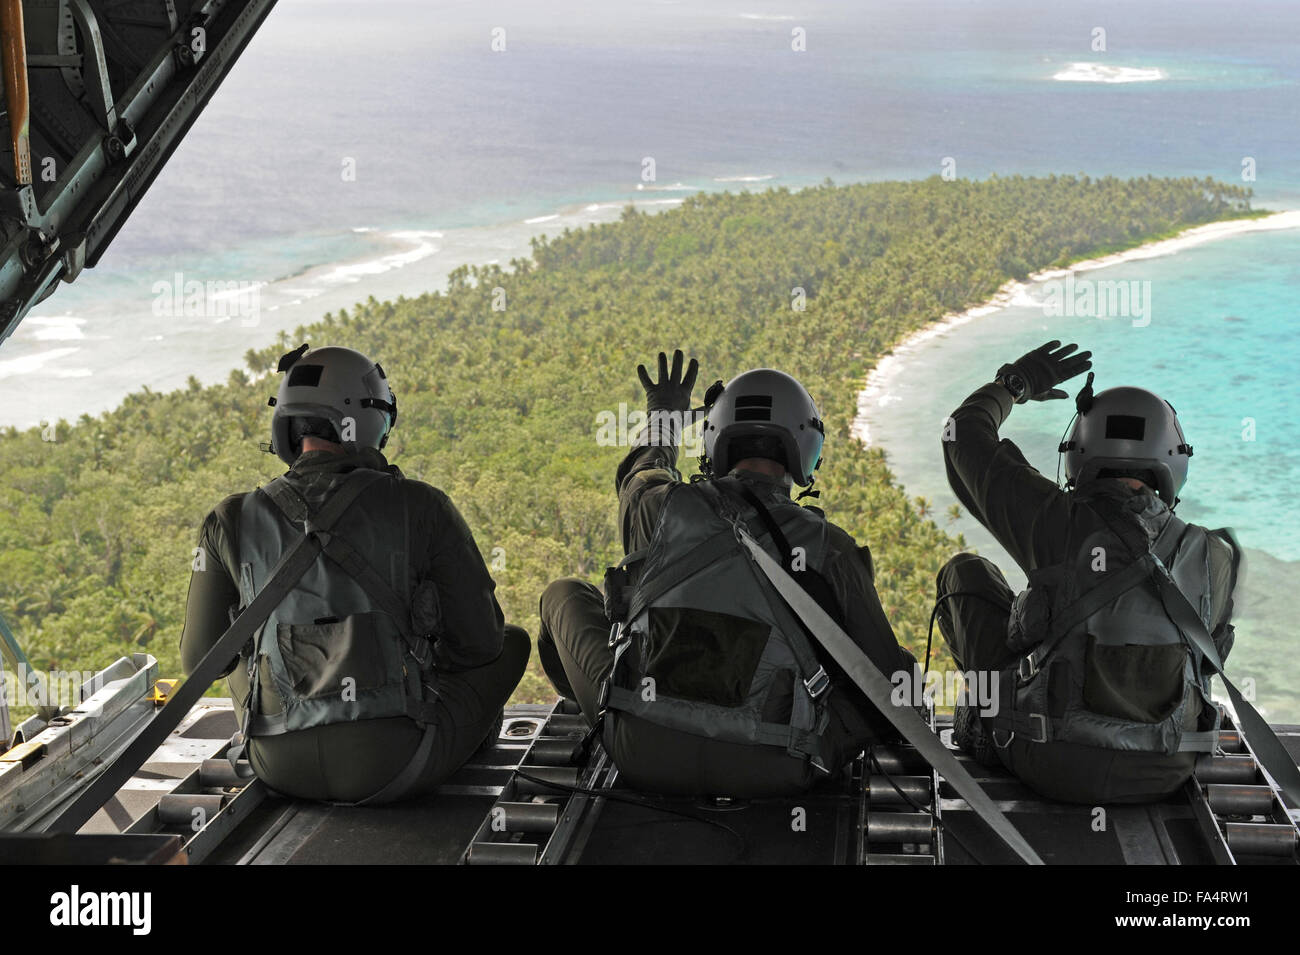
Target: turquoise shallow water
(442, 134)
(448, 137)
(1222, 347)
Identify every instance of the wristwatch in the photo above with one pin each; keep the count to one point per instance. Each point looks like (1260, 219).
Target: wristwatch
(1014, 383)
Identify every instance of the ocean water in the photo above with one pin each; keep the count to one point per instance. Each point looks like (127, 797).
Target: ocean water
(1216, 338)
(372, 153)
(1218, 342)
(368, 151)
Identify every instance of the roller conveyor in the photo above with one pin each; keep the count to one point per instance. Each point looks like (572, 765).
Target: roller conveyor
(888, 808)
(902, 823)
(536, 820)
(1243, 816)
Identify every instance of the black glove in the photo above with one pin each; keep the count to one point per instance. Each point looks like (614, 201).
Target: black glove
(672, 392)
(1037, 373)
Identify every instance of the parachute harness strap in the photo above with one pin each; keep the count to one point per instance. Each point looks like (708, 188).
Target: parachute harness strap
(617, 607)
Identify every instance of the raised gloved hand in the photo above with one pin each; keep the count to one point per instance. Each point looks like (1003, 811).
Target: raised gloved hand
(1035, 375)
(672, 392)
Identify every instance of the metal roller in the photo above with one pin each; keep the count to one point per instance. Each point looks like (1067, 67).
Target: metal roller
(526, 816)
(899, 827)
(219, 774)
(1230, 741)
(520, 728)
(185, 809)
(1239, 800)
(901, 761)
(916, 788)
(560, 775)
(502, 853)
(563, 724)
(1225, 769)
(885, 858)
(1260, 839)
(550, 751)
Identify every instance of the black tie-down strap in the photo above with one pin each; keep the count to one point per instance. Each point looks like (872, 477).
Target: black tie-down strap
(878, 690)
(1268, 749)
(816, 679)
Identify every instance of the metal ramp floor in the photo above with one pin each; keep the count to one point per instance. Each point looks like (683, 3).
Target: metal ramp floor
(839, 822)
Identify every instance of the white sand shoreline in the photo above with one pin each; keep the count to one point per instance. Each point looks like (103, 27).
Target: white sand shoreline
(876, 387)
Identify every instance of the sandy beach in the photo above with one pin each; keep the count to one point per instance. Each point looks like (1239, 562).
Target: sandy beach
(875, 391)
(896, 407)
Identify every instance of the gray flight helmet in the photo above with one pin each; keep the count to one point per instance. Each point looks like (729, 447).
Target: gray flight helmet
(340, 385)
(1126, 430)
(765, 402)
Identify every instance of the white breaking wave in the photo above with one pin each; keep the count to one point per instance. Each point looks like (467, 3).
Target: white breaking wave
(535, 220)
(674, 187)
(30, 363)
(56, 328)
(1105, 73)
(743, 178)
(875, 391)
(240, 290)
(355, 271)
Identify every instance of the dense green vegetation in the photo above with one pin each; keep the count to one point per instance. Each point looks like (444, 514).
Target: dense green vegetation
(499, 407)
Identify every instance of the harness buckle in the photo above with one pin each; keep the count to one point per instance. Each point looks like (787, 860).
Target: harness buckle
(818, 683)
(424, 660)
(616, 634)
(1041, 733)
(620, 644)
(1027, 669)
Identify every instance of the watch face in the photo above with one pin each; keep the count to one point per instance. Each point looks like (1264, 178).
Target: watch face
(1014, 384)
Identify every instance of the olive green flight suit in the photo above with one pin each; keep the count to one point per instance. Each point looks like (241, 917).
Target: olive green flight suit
(573, 647)
(479, 659)
(1027, 514)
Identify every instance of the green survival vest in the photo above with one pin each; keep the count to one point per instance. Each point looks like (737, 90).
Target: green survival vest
(1105, 663)
(340, 646)
(709, 648)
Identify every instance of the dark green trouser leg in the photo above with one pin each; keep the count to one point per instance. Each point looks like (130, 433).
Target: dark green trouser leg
(469, 702)
(573, 645)
(975, 628)
(347, 762)
(976, 632)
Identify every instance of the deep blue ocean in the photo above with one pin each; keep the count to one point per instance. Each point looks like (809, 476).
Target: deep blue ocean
(368, 149)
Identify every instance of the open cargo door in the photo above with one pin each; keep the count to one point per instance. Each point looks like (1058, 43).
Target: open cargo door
(97, 94)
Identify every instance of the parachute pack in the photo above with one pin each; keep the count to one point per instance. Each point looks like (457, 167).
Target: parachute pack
(340, 646)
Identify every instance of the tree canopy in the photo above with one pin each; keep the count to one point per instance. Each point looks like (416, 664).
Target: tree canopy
(502, 378)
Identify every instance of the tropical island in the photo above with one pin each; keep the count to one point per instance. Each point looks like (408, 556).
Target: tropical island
(504, 380)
